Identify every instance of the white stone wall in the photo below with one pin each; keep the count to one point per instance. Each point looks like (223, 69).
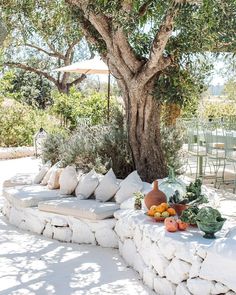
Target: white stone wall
(63, 228)
(179, 263)
(16, 152)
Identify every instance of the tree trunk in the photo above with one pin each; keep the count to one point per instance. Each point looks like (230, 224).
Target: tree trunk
(143, 114)
(63, 88)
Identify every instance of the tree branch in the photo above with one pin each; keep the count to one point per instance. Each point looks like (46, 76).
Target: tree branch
(52, 54)
(151, 67)
(126, 50)
(71, 48)
(102, 24)
(31, 69)
(144, 7)
(59, 54)
(78, 80)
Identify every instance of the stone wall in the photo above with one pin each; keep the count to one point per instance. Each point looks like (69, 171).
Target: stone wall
(16, 152)
(180, 263)
(63, 228)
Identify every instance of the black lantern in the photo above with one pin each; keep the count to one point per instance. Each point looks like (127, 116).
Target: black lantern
(39, 139)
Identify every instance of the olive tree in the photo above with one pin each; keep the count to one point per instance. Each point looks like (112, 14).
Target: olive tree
(139, 40)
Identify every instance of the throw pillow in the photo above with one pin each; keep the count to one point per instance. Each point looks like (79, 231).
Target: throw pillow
(130, 185)
(107, 188)
(48, 174)
(53, 182)
(68, 180)
(39, 177)
(87, 185)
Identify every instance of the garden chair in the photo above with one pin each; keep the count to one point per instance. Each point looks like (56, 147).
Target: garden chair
(215, 149)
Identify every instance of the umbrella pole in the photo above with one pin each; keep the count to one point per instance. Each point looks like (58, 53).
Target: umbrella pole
(108, 96)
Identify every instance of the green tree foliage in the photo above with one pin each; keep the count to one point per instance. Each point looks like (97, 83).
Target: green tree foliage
(226, 110)
(70, 108)
(183, 83)
(148, 44)
(42, 36)
(26, 87)
(230, 89)
(19, 122)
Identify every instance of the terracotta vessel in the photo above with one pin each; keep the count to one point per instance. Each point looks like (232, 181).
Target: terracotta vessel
(155, 197)
(179, 208)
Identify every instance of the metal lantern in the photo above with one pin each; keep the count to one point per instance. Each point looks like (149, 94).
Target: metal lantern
(39, 139)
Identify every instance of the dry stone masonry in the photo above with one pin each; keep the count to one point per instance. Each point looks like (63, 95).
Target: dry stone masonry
(63, 228)
(181, 263)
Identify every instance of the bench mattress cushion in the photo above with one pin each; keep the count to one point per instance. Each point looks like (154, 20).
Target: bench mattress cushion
(19, 179)
(30, 195)
(88, 209)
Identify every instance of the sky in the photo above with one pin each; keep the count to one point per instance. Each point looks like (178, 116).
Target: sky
(218, 77)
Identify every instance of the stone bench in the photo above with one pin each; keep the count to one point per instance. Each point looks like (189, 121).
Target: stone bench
(65, 218)
(61, 227)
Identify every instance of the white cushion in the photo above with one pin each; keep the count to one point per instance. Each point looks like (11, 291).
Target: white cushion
(48, 174)
(130, 185)
(87, 185)
(107, 188)
(68, 180)
(39, 177)
(53, 182)
(88, 209)
(29, 196)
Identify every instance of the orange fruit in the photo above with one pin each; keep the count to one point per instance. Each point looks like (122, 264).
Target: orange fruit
(152, 210)
(171, 211)
(165, 205)
(160, 209)
(153, 207)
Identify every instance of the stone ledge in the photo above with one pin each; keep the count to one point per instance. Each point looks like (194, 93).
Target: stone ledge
(16, 152)
(177, 263)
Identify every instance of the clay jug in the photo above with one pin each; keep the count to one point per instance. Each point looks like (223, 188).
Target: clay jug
(155, 197)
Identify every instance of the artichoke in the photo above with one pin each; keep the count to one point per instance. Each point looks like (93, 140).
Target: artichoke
(208, 215)
(189, 215)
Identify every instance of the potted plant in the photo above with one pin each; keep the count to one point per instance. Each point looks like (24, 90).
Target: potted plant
(138, 200)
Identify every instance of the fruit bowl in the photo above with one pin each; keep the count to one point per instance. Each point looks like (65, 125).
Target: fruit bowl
(161, 212)
(159, 219)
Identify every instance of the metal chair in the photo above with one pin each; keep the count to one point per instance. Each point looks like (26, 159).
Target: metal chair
(215, 149)
(230, 150)
(196, 148)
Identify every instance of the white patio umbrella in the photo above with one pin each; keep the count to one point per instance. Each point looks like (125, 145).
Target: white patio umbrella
(88, 67)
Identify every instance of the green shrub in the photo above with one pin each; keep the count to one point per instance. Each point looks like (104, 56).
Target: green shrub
(70, 108)
(99, 147)
(52, 147)
(19, 123)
